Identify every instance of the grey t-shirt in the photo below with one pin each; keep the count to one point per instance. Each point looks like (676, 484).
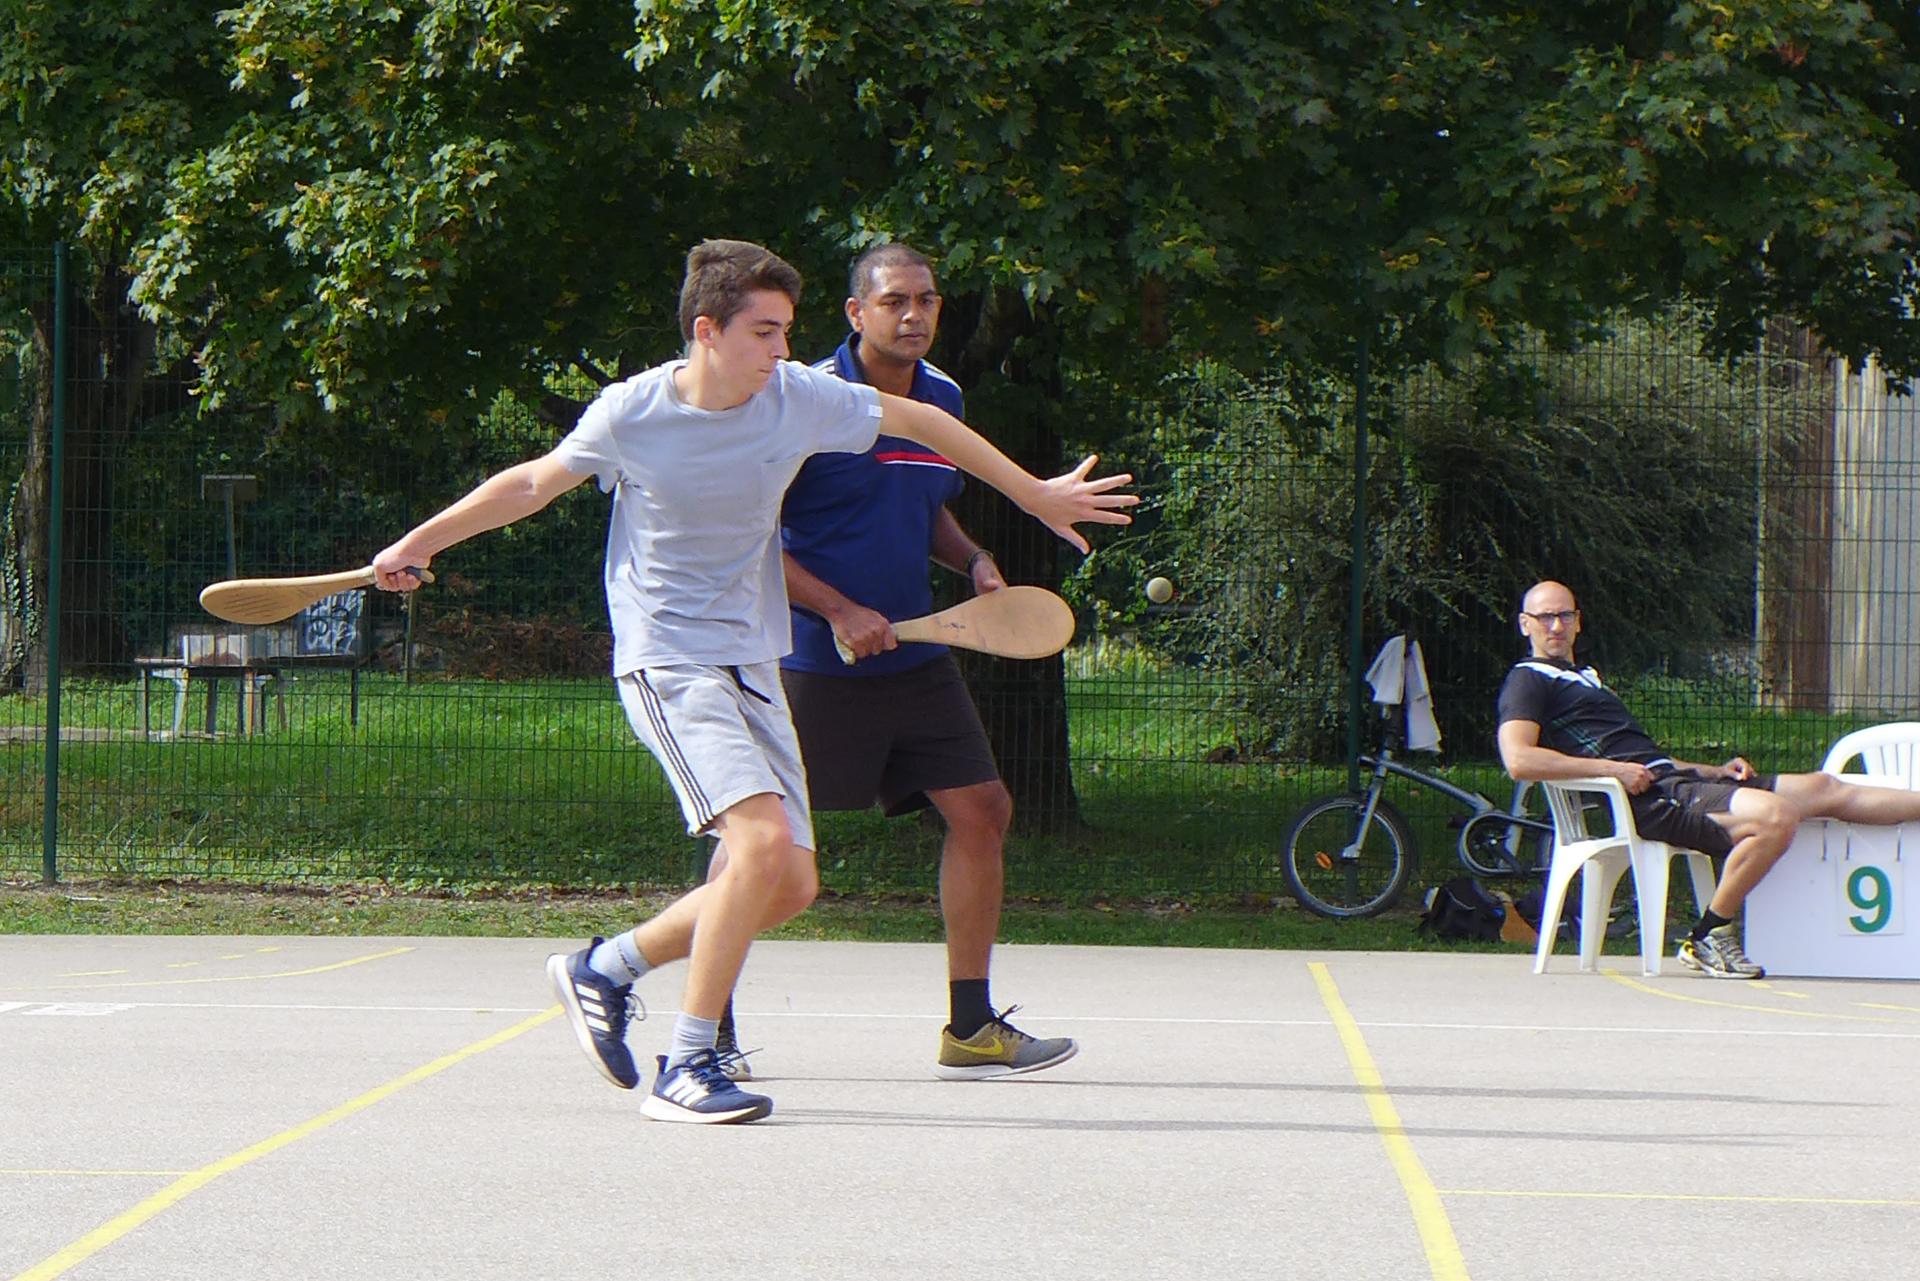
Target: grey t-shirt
(693, 551)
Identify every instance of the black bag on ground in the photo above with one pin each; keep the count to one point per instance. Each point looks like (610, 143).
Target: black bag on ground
(1531, 904)
(1460, 910)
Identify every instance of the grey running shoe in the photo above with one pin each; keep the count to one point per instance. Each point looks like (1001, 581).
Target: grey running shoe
(1719, 955)
(998, 1049)
(728, 1054)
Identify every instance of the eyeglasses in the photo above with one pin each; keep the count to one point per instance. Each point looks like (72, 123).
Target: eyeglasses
(1564, 617)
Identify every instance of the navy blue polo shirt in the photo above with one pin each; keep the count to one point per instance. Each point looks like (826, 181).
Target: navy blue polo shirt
(863, 524)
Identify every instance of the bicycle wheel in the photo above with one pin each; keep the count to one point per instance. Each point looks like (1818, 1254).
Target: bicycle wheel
(1490, 845)
(1332, 874)
(1493, 845)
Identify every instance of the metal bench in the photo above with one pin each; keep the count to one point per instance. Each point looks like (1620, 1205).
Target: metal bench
(211, 657)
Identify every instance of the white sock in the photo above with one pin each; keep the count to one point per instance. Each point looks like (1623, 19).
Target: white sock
(690, 1036)
(618, 959)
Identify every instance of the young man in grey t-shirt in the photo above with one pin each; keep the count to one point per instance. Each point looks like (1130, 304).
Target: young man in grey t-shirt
(697, 454)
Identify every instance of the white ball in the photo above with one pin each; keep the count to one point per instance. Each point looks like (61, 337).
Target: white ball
(1159, 590)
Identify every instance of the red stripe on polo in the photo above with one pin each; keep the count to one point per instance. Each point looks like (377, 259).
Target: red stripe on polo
(909, 456)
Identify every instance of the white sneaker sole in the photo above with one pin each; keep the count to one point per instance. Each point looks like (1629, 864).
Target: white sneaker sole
(994, 1071)
(577, 1018)
(660, 1109)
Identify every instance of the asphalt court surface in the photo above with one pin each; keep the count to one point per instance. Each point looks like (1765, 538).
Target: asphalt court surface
(273, 1108)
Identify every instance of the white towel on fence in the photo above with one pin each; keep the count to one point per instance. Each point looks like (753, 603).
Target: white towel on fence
(1399, 675)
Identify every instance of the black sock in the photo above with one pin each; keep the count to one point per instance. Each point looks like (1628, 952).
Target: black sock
(726, 1019)
(968, 1004)
(1709, 921)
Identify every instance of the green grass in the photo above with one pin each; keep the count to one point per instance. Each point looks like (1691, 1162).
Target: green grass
(474, 784)
(486, 786)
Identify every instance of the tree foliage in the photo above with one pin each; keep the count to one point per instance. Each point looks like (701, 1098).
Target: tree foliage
(453, 192)
(417, 206)
(100, 101)
(367, 218)
(407, 207)
(1628, 469)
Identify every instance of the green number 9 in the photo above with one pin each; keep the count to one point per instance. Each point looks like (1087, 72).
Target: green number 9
(1869, 890)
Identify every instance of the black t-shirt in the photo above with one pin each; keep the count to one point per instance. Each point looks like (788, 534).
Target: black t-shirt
(1576, 714)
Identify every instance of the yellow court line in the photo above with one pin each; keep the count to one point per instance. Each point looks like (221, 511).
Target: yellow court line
(1638, 986)
(1685, 1196)
(1436, 1232)
(174, 1193)
(224, 978)
(92, 974)
(100, 1174)
(1876, 1005)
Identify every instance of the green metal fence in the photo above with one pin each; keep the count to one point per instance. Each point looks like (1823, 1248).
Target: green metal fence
(1740, 537)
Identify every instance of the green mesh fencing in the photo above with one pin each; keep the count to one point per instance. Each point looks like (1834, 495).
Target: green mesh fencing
(1741, 537)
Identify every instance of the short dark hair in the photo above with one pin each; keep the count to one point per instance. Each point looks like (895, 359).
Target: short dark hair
(720, 275)
(891, 254)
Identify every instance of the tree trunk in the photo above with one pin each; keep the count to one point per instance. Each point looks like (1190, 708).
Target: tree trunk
(23, 566)
(1003, 356)
(1796, 548)
(110, 353)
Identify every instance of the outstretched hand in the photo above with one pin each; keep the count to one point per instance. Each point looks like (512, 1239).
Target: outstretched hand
(1071, 499)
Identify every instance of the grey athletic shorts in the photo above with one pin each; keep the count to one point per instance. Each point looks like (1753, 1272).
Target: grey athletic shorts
(889, 739)
(1676, 807)
(721, 734)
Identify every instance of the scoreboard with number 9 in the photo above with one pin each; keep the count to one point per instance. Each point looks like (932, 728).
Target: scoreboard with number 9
(1835, 905)
(1871, 898)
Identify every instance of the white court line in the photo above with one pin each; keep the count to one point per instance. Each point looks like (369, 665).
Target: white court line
(345, 1009)
(661, 1011)
(1736, 1199)
(96, 1174)
(228, 978)
(1654, 1031)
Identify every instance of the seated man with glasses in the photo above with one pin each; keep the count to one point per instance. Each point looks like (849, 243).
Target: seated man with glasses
(1558, 721)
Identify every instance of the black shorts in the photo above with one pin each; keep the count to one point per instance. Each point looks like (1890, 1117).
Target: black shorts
(1676, 807)
(888, 739)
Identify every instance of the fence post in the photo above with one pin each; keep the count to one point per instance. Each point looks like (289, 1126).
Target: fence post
(1356, 610)
(56, 516)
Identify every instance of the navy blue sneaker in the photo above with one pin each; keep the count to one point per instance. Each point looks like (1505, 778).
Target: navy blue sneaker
(699, 1092)
(597, 1008)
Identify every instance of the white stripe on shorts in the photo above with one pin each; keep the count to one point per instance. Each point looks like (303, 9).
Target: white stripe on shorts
(721, 734)
(672, 759)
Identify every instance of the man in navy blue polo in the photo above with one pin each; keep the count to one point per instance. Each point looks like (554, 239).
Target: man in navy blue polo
(897, 727)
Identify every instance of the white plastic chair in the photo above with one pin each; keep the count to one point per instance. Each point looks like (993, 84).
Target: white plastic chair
(1610, 856)
(1889, 753)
